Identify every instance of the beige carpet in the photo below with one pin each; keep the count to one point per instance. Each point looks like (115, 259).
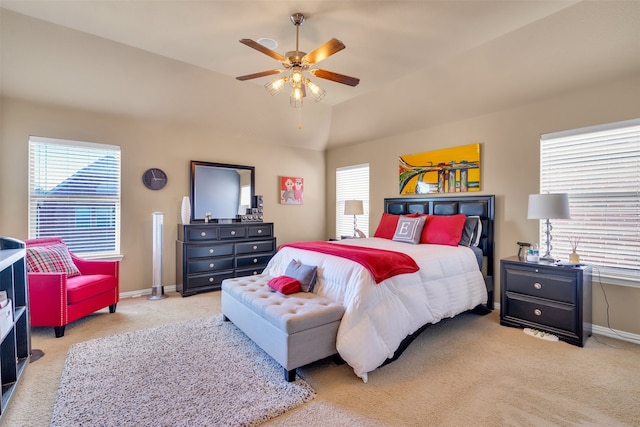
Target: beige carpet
(463, 371)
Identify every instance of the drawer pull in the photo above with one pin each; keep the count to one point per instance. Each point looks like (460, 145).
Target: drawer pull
(255, 260)
(537, 312)
(211, 279)
(259, 231)
(537, 285)
(204, 233)
(255, 247)
(210, 251)
(211, 265)
(233, 232)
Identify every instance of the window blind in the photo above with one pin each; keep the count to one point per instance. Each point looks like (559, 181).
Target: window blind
(74, 193)
(599, 168)
(352, 183)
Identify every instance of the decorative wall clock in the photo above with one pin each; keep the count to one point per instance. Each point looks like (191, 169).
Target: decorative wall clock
(154, 179)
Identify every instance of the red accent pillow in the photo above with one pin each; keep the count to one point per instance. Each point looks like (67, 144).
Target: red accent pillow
(387, 226)
(285, 285)
(443, 229)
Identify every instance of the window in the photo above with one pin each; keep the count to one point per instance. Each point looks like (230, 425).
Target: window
(352, 183)
(74, 193)
(599, 167)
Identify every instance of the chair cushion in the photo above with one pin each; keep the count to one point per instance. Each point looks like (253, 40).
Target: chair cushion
(80, 288)
(51, 259)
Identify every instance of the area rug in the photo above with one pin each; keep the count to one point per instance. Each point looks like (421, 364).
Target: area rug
(202, 372)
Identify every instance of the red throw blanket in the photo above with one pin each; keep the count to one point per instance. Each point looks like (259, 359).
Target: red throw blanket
(382, 263)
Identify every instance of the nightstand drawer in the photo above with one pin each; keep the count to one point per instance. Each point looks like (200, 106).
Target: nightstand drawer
(549, 286)
(554, 315)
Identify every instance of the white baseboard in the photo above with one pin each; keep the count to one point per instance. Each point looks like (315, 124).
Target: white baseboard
(136, 294)
(613, 333)
(604, 331)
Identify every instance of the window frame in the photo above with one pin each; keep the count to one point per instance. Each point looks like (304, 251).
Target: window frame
(344, 223)
(81, 184)
(604, 196)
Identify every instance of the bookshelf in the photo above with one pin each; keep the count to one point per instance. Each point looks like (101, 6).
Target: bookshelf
(15, 344)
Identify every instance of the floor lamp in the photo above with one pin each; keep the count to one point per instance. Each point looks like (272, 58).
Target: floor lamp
(548, 206)
(353, 207)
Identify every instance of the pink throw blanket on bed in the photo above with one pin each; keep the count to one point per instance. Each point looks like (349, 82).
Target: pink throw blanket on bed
(382, 263)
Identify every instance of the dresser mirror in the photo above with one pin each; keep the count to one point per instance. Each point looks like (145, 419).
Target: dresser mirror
(220, 192)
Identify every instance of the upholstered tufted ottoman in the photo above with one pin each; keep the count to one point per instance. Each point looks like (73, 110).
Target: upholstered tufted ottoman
(294, 329)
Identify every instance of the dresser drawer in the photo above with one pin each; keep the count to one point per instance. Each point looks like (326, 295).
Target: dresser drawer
(209, 265)
(238, 232)
(254, 247)
(248, 261)
(207, 251)
(208, 280)
(542, 312)
(262, 230)
(202, 233)
(542, 285)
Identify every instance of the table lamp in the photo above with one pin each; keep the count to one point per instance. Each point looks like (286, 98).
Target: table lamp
(353, 207)
(547, 207)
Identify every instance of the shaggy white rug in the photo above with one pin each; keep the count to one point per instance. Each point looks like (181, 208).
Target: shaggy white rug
(201, 372)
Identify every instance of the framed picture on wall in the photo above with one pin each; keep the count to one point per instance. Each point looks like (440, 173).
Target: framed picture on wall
(291, 190)
(450, 170)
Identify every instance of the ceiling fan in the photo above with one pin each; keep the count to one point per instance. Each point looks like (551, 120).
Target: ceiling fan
(298, 62)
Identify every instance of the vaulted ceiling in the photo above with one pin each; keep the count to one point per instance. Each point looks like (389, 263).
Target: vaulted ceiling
(420, 63)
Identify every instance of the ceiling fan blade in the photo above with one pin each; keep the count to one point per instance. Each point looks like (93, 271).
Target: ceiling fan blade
(260, 74)
(324, 51)
(265, 50)
(330, 75)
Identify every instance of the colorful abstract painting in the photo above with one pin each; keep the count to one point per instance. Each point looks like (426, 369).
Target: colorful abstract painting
(291, 190)
(450, 170)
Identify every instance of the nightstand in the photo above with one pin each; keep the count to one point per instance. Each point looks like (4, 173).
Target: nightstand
(549, 297)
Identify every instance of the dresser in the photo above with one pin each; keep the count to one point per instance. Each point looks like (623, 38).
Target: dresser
(206, 254)
(551, 298)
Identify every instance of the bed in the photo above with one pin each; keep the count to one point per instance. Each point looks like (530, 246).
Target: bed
(381, 319)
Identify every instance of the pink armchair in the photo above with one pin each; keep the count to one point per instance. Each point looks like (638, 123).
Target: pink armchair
(57, 300)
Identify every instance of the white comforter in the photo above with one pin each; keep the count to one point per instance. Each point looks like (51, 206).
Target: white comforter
(379, 316)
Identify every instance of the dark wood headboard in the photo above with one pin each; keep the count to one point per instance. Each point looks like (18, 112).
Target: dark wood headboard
(482, 206)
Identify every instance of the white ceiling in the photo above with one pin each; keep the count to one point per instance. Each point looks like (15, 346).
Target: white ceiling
(420, 62)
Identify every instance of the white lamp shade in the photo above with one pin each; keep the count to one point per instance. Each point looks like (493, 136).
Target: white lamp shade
(549, 206)
(353, 207)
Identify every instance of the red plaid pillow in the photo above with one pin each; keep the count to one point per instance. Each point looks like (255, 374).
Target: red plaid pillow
(50, 259)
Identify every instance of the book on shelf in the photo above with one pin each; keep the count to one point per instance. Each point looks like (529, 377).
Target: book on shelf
(4, 301)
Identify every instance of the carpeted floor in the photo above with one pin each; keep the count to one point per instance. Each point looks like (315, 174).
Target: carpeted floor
(216, 376)
(463, 371)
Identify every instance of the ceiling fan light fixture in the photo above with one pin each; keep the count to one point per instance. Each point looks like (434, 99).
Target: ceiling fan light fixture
(275, 86)
(296, 76)
(317, 93)
(297, 95)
